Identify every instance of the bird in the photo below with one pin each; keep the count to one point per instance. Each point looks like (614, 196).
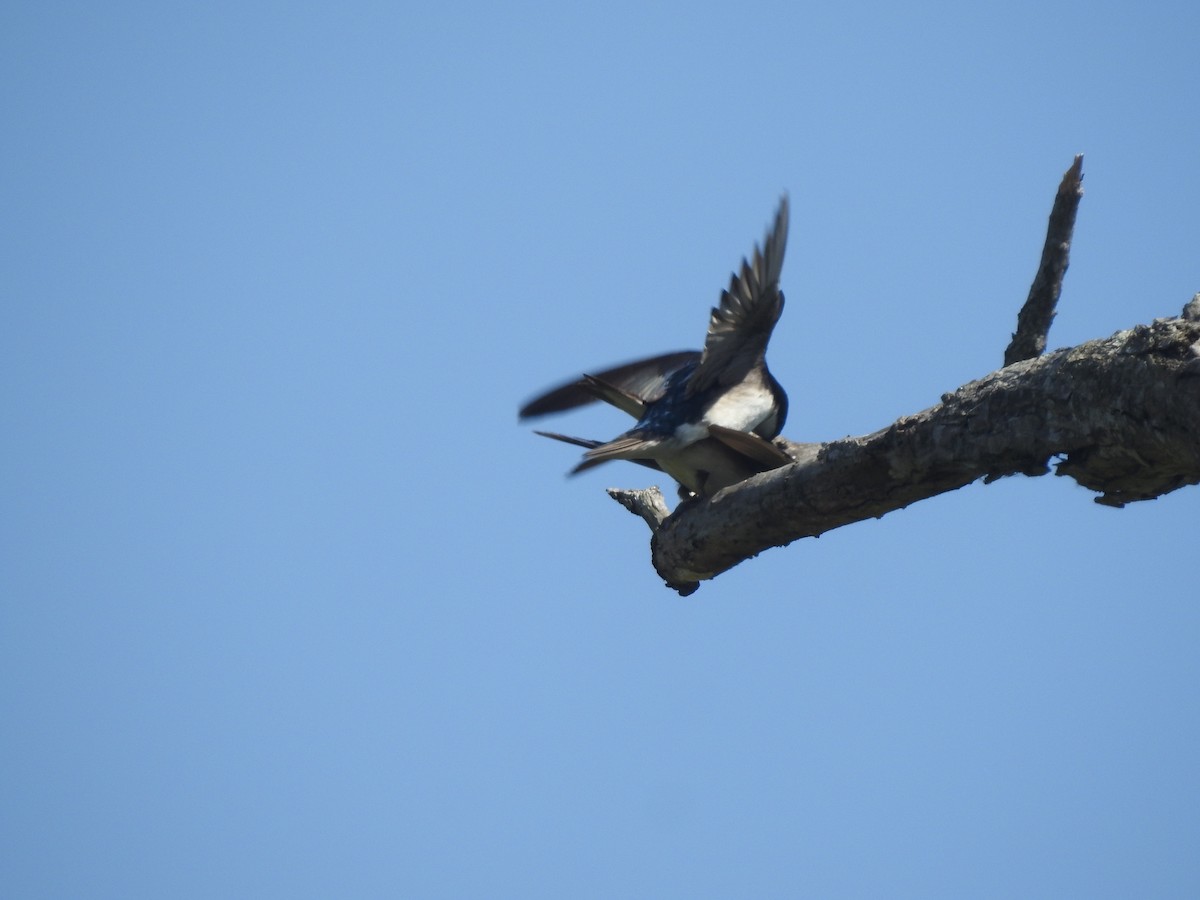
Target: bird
(705, 417)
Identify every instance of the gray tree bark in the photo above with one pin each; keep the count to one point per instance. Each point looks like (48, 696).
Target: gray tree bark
(1121, 416)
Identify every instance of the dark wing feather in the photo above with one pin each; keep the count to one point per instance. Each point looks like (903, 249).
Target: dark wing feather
(642, 378)
(751, 446)
(589, 444)
(586, 443)
(741, 324)
(626, 401)
(627, 446)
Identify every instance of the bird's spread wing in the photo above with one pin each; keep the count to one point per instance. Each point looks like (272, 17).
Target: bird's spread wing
(643, 378)
(741, 324)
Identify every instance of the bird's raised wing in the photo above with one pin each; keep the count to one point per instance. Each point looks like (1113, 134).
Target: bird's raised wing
(741, 324)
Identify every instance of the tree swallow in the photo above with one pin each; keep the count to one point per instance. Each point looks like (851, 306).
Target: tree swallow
(704, 417)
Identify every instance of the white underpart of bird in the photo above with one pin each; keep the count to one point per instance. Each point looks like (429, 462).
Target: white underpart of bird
(743, 407)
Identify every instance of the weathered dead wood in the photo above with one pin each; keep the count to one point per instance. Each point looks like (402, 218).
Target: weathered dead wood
(1123, 414)
(648, 503)
(1033, 322)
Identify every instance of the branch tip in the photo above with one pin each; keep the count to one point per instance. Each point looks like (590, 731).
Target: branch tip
(647, 503)
(1033, 321)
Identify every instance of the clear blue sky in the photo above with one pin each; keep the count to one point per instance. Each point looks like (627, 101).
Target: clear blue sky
(290, 606)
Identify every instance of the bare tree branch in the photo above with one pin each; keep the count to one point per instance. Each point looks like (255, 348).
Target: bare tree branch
(650, 505)
(1121, 415)
(647, 503)
(1124, 413)
(1033, 322)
